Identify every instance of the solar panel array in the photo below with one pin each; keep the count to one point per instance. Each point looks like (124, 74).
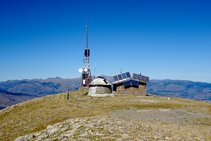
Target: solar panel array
(122, 76)
(125, 76)
(140, 77)
(132, 82)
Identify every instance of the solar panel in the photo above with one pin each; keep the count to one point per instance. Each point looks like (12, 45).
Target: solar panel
(115, 78)
(146, 79)
(135, 76)
(134, 82)
(120, 77)
(128, 74)
(126, 83)
(139, 77)
(142, 78)
(124, 76)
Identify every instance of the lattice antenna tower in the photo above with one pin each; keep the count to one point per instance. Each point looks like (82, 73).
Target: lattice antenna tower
(87, 52)
(86, 75)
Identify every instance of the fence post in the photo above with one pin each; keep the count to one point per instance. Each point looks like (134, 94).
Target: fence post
(68, 95)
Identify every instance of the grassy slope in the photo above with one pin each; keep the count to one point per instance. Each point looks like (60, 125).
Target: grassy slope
(34, 115)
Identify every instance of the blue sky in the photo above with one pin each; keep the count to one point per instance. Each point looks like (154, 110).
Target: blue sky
(161, 39)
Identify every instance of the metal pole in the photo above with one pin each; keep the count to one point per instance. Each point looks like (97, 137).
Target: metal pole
(83, 87)
(83, 90)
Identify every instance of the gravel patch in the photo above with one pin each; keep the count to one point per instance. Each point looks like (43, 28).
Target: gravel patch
(164, 115)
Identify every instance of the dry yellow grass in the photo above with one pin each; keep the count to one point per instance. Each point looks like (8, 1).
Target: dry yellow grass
(35, 115)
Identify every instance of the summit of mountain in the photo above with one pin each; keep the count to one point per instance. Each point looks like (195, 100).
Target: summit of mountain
(122, 117)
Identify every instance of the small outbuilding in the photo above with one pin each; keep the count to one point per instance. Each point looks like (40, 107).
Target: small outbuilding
(100, 87)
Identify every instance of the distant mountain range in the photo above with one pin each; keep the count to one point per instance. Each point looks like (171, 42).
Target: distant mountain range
(41, 87)
(181, 88)
(15, 91)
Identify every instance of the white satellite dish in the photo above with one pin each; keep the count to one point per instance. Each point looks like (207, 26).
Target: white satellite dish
(85, 70)
(80, 70)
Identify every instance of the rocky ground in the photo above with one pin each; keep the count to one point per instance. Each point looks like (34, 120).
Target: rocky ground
(150, 124)
(122, 117)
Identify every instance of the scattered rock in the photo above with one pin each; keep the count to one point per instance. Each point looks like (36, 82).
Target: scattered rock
(111, 128)
(49, 126)
(21, 138)
(44, 134)
(29, 136)
(55, 129)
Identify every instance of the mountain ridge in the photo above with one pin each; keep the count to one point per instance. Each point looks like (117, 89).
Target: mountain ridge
(181, 88)
(200, 91)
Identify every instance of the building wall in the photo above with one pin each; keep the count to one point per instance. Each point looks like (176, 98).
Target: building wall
(100, 90)
(136, 91)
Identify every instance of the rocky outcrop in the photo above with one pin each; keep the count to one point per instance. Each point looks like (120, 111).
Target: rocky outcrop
(110, 128)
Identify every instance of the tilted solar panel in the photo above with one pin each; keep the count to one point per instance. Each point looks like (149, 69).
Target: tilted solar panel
(146, 79)
(120, 77)
(124, 76)
(126, 83)
(142, 78)
(139, 77)
(135, 76)
(115, 78)
(133, 82)
(128, 74)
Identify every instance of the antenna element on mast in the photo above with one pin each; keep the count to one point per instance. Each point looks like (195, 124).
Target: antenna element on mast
(86, 36)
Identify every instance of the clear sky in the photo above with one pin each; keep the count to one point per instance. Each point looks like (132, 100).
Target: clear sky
(162, 39)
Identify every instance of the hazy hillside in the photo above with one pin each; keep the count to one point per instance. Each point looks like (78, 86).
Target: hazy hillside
(41, 87)
(122, 117)
(8, 99)
(181, 88)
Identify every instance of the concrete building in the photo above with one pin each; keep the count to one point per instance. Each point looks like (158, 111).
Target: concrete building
(100, 87)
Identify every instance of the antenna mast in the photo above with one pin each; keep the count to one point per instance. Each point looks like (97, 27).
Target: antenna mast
(87, 52)
(86, 75)
(86, 36)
